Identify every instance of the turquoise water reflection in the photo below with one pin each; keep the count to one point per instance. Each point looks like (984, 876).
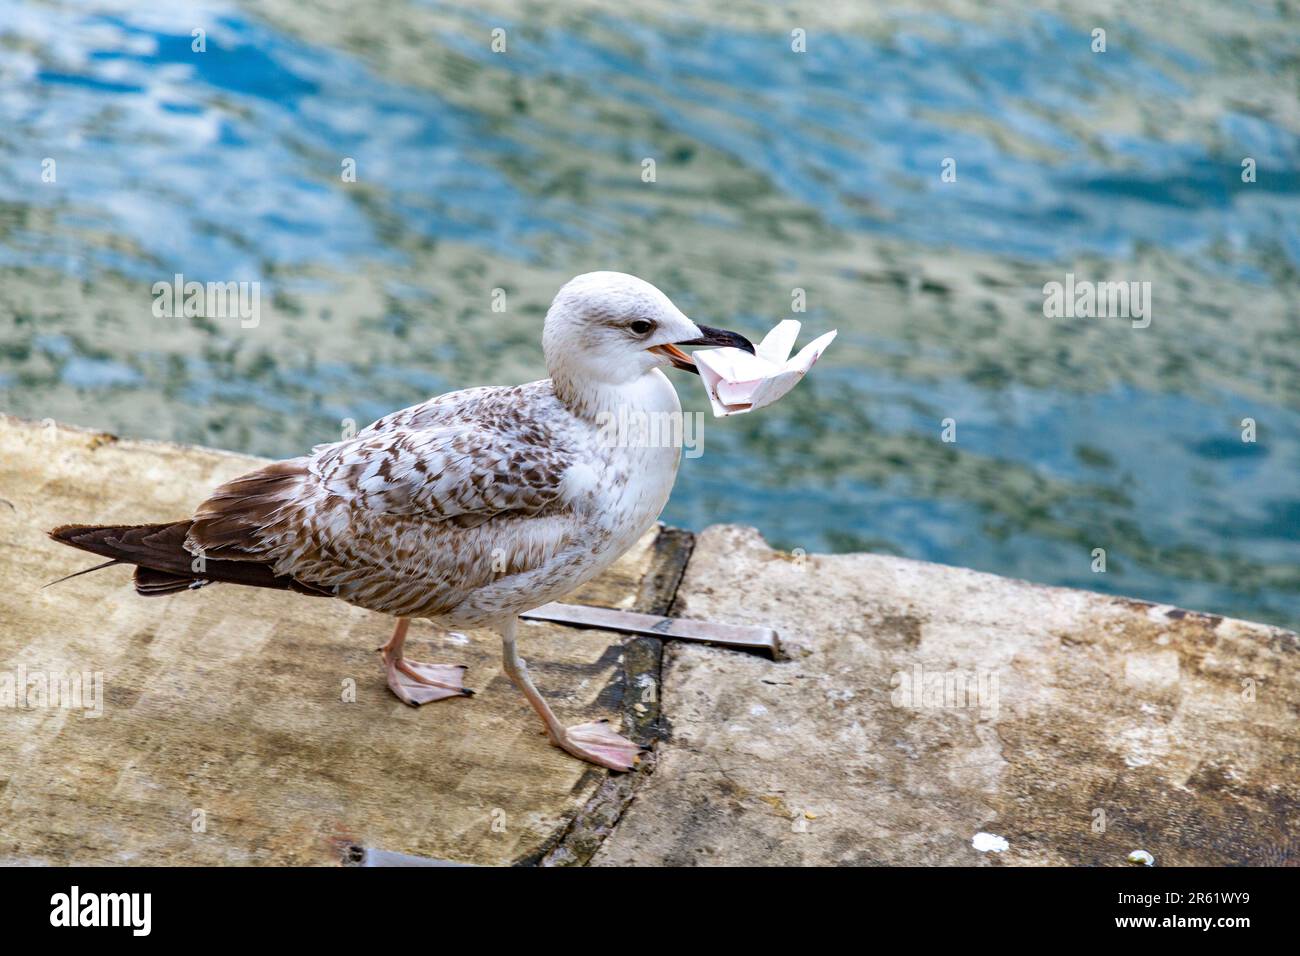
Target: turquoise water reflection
(820, 171)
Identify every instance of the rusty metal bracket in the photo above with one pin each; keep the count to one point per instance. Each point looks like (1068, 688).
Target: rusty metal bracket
(762, 640)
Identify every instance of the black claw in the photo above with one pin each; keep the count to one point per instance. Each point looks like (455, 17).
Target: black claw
(467, 692)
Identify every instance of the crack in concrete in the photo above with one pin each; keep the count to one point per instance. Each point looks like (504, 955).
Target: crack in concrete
(643, 658)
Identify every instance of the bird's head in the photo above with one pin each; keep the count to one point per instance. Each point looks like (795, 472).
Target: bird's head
(613, 327)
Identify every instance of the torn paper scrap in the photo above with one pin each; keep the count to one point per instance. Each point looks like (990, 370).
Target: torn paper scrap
(738, 382)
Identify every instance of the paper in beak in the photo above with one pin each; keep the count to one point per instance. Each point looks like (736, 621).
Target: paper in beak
(738, 382)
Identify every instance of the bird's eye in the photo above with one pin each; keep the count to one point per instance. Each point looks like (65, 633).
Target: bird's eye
(641, 326)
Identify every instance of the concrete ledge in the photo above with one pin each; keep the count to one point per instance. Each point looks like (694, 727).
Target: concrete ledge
(917, 706)
(1086, 726)
(227, 709)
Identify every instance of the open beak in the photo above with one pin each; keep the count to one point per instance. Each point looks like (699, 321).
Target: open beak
(719, 338)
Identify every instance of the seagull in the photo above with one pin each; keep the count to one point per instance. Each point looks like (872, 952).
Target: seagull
(467, 509)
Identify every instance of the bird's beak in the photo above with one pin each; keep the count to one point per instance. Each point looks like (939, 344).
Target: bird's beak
(717, 337)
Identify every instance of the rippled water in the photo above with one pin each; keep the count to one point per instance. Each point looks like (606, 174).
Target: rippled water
(775, 170)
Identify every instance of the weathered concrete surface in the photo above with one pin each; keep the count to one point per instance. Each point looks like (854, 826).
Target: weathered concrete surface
(1115, 725)
(230, 701)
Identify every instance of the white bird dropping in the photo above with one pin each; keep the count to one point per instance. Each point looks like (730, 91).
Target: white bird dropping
(986, 842)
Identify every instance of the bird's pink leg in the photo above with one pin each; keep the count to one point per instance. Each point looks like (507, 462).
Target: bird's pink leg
(595, 742)
(415, 683)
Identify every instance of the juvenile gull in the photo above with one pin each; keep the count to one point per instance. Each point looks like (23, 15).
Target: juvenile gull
(467, 509)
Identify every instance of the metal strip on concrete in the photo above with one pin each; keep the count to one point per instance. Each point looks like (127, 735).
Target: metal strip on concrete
(736, 636)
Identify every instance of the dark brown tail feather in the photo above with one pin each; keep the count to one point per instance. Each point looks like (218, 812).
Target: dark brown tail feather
(163, 566)
(150, 582)
(236, 511)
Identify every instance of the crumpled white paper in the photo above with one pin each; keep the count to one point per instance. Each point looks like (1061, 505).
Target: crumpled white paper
(738, 382)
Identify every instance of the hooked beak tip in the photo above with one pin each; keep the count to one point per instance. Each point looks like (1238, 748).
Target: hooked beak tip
(719, 338)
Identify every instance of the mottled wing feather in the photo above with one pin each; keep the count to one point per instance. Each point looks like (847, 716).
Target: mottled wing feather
(454, 471)
(414, 503)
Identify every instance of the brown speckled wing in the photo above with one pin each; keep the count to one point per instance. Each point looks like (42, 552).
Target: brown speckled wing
(409, 514)
(465, 470)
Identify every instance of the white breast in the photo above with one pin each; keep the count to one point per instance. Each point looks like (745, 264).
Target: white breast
(639, 438)
(615, 489)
